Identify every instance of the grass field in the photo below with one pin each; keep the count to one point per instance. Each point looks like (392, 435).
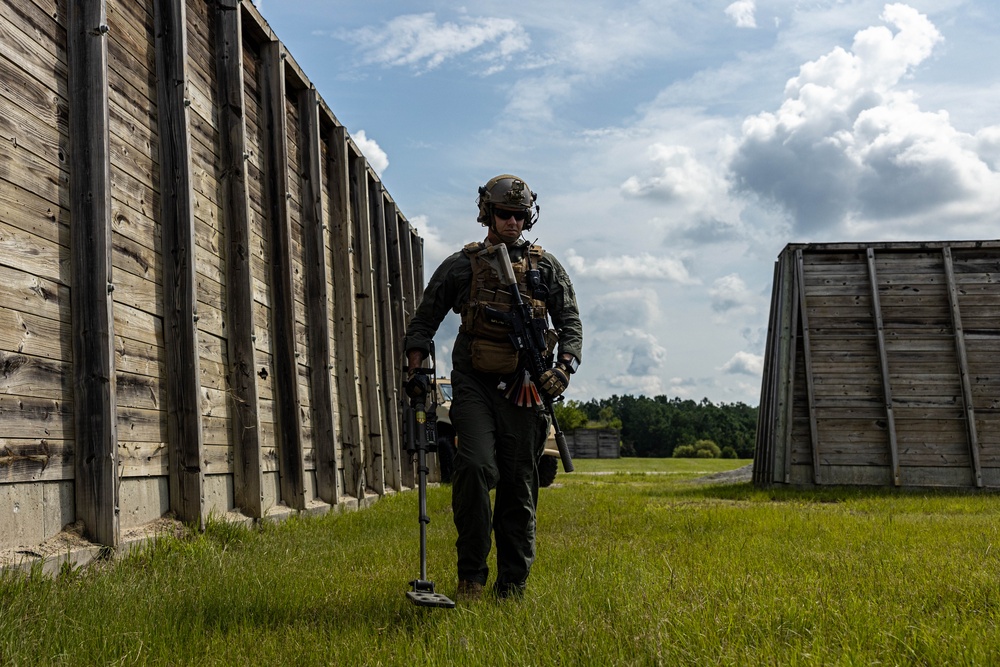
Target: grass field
(632, 569)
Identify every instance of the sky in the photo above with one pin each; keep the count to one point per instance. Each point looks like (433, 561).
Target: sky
(676, 148)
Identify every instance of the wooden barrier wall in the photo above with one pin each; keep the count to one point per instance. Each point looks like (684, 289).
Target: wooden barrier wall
(204, 282)
(880, 366)
(594, 443)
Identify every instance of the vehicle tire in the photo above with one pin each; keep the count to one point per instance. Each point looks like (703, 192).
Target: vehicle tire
(547, 469)
(446, 458)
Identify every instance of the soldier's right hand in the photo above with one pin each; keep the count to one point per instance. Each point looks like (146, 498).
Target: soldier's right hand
(417, 384)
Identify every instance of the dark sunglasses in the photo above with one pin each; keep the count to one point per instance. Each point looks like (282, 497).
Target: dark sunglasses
(501, 214)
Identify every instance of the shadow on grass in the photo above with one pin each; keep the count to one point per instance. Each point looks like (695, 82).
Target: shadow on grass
(746, 491)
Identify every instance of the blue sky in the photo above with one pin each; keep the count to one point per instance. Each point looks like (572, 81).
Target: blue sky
(675, 147)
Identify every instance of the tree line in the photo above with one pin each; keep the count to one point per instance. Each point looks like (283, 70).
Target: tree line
(655, 427)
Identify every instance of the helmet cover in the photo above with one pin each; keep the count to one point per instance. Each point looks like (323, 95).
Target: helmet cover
(510, 192)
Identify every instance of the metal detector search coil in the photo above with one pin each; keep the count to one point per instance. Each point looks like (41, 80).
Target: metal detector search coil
(419, 422)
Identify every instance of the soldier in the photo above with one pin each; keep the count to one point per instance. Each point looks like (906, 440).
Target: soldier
(496, 412)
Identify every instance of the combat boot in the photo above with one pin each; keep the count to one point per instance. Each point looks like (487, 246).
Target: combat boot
(469, 591)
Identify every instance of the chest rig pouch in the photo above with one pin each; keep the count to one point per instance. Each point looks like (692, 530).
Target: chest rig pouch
(492, 350)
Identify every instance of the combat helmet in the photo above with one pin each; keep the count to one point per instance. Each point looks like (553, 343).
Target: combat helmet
(510, 192)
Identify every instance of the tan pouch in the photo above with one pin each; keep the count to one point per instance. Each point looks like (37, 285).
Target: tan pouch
(491, 356)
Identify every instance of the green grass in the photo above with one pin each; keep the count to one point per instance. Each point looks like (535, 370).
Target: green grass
(632, 569)
(681, 467)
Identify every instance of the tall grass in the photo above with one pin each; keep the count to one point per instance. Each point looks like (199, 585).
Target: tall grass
(632, 569)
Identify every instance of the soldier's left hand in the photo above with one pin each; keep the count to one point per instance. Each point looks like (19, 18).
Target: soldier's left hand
(555, 380)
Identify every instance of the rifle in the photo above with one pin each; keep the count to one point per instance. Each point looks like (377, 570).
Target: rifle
(528, 336)
(420, 435)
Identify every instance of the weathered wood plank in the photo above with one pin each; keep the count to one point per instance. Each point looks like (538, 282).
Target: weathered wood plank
(963, 367)
(248, 480)
(388, 362)
(366, 326)
(283, 311)
(33, 254)
(320, 356)
(883, 365)
(405, 281)
(395, 349)
(345, 314)
(93, 330)
(35, 460)
(184, 423)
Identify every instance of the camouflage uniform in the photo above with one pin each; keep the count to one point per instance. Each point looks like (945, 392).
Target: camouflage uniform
(499, 443)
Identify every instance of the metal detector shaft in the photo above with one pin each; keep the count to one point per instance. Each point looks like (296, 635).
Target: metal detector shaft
(422, 471)
(420, 429)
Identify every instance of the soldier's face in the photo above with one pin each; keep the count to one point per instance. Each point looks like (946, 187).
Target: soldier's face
(507, 224)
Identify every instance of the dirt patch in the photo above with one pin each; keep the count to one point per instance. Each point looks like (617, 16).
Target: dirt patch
(70, 540)
(744, 474)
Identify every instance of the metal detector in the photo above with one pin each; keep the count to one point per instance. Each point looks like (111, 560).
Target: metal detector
(420, 422)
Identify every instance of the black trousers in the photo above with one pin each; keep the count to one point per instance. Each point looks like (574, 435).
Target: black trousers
(499, 446)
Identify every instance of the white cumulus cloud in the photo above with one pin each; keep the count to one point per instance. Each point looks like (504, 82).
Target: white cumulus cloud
(677, 175)
(744, 363)
(730, 293)
(376, 157)
(631, 267)
(742, 13)
(850, 149)
(422, 42)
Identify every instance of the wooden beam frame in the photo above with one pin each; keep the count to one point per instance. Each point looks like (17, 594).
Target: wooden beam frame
(367, 326)
(388, 358)
(764, 446)
(95, 419)
(963, 366)
(785, 381)
(288, 427)
(317, 313)
(345, 315)
(883, 359)
(247, 469)
(409, 305)
(180, 333)
(800, 291)
(397, 297)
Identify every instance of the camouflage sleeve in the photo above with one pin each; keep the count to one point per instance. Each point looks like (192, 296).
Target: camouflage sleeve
(563, 308)
(447, 290)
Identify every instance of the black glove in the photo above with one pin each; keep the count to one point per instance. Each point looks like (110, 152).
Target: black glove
(555, 380)
(417, 385)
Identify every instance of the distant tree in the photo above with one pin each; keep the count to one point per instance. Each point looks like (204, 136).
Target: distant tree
(728, 452)
(656, 426)
(570, 415)
(702, 449)
(685, 452)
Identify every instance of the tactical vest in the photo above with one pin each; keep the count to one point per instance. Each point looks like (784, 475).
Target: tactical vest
(492, 351)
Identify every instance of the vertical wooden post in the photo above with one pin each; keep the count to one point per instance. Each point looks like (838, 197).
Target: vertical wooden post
(388, 348)
(782, 465)
(96, 438)
(177, 229)
(345, 315)
(963, 367)
(247, 471)
(417, 252)
(317, 315)
(884, 367)
(764, 448)
(800, 279)
(409, 305)
(286, 387)
(791, 367)
(397, 298)
(367, 331)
